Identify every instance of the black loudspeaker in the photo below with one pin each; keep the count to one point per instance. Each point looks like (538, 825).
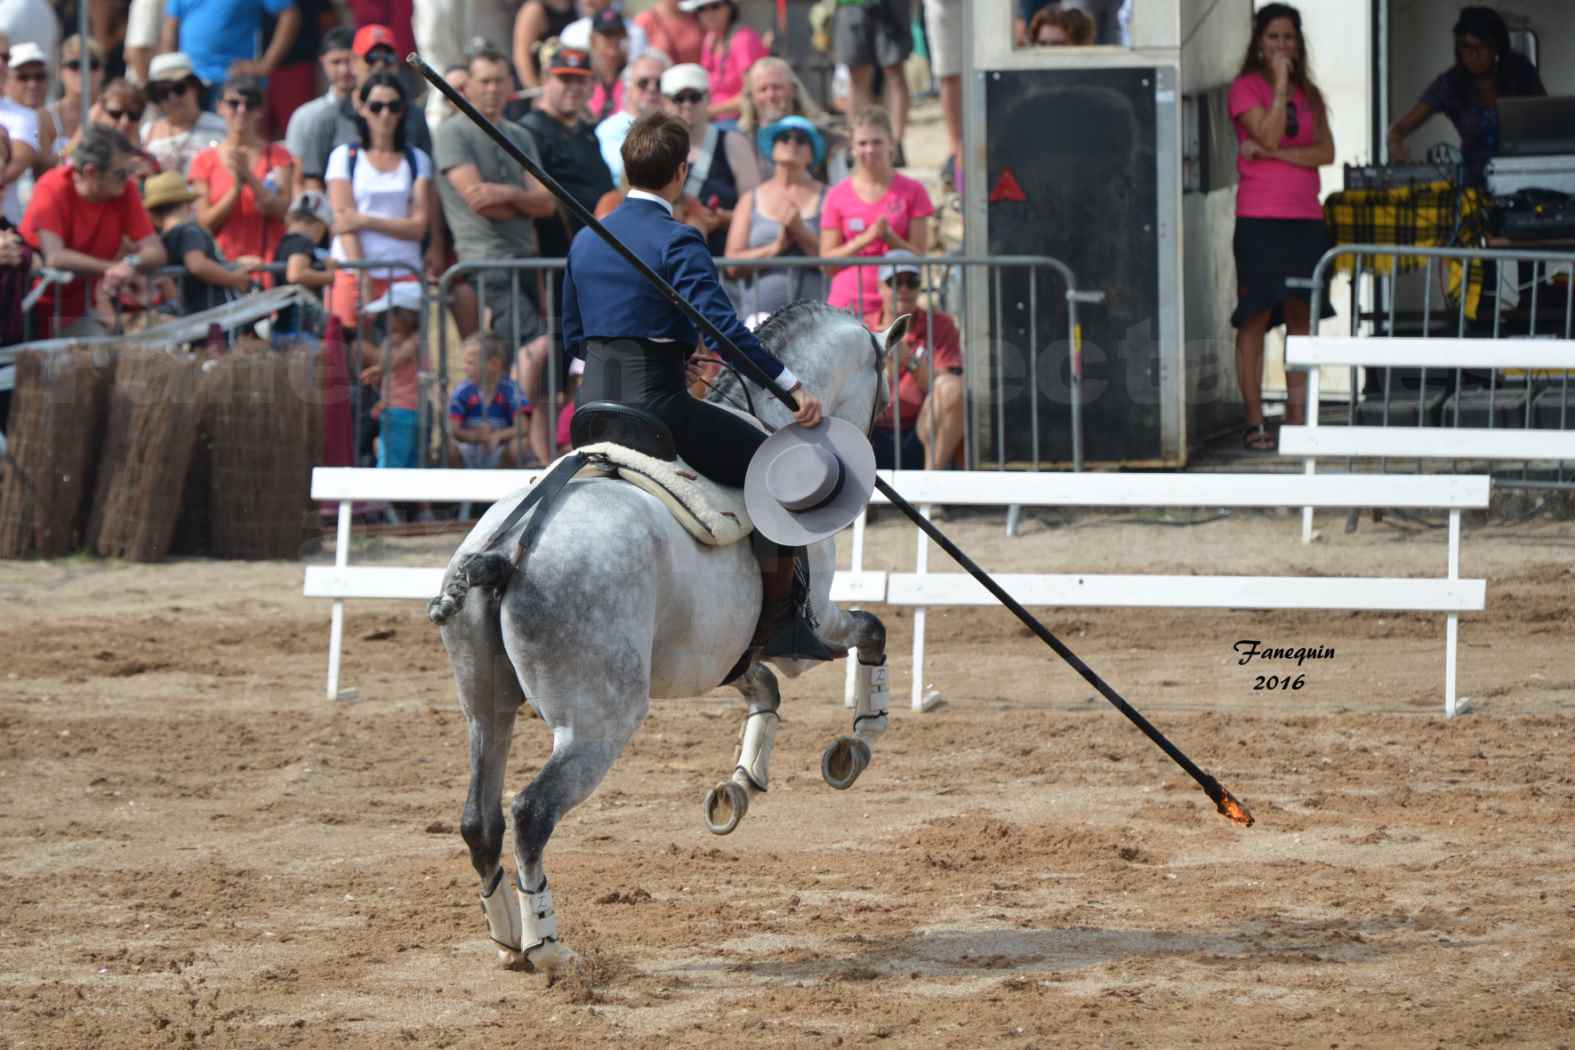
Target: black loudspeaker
(1071, 174)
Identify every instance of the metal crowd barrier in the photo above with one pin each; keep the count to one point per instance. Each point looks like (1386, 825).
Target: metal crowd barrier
(1524, 295)
(355, 353)
(942, 288)
(484, 274)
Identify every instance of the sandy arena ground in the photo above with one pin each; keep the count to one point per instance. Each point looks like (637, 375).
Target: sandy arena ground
(196, 849)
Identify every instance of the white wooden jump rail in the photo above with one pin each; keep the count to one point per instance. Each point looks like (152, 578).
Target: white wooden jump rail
(1408, 442)
(341, 580)
(1450, 594)
(921, 588)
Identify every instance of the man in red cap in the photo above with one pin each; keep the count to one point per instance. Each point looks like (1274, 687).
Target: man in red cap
(568, 146)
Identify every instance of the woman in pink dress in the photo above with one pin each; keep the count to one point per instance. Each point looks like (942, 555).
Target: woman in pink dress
(869, 213)
(729, 49)
(1283, 137)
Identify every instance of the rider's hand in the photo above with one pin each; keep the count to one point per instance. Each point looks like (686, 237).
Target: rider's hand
(808, 413)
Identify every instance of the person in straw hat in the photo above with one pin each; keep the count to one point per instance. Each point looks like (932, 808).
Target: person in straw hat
(207, 282)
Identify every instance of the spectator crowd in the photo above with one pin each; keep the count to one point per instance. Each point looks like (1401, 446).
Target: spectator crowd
(233, 145)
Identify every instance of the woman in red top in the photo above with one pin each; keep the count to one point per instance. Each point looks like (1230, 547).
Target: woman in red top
(728, 51)
(243, 183)
(1283, 137)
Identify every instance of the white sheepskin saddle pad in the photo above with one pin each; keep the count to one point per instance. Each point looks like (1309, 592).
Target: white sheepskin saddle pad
(713, 514)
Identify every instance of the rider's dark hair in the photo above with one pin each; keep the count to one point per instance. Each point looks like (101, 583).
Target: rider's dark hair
(656, 146)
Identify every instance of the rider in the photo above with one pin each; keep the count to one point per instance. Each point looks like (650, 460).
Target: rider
(635, 341)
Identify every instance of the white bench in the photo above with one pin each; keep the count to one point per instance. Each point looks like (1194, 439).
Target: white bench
(340, 581)
(1468, 443)
(1449, 594)
(921, 588)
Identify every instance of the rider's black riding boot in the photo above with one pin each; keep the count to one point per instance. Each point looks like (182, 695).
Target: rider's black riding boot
(776, 577)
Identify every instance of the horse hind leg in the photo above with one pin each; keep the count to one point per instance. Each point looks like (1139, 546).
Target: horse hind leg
(490, 697)
(848, 756)
(577, 765)
(727, 803)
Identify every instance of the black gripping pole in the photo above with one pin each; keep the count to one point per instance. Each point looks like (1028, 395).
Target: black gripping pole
(1223, 800)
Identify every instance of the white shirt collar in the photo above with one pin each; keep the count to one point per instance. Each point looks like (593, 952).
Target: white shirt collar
(647, 195)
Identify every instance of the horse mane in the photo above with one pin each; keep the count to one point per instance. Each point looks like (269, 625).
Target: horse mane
(776, 333)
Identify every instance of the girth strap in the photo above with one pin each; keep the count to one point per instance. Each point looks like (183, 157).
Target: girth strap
(544, 492)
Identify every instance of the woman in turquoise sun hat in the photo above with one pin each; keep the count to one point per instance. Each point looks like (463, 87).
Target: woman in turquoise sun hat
(780, 217)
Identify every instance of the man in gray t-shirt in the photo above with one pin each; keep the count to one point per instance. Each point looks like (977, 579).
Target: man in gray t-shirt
(490, 204)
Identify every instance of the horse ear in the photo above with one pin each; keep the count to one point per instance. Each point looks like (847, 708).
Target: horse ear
(893, 335)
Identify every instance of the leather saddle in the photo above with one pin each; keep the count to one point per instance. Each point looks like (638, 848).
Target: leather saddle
(635, 428)
(626, 425)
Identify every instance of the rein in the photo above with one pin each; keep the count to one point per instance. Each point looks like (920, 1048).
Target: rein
(749, 406)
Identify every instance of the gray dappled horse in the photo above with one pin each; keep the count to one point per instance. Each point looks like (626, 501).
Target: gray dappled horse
(615, 603)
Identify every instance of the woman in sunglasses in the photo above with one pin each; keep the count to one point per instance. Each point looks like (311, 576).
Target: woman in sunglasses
(65, 113)
(781, 217)
(379, 190)
(243, 183)
(183, 127)
(1283, 137)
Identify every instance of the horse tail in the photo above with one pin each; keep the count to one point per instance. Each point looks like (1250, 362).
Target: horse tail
(490, 569)
(488, 566)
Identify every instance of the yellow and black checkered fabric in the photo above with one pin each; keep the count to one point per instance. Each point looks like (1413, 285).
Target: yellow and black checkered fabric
(1426, 215)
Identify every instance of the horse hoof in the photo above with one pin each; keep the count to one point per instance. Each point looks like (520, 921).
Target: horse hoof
(725, 806)
(510, 959)
(551, 958)
(843, 761)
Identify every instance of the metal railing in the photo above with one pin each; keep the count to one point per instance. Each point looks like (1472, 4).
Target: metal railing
(941, 288)
(1485, 293)
(485, 275)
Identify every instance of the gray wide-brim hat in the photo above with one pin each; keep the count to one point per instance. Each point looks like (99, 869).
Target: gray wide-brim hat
(805, 484)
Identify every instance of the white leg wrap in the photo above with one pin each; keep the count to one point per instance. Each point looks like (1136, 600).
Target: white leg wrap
(503, 915)
(539, 923)
(760, 732)
(871, 697)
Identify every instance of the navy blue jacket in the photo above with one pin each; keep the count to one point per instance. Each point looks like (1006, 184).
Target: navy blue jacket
(606, 298)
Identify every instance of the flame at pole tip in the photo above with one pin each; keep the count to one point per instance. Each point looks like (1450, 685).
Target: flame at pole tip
(1237, 812)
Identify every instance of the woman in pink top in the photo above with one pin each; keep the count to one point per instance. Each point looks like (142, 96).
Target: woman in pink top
(671, 31)
(729, 49)
(869, 213)
(1282, 135)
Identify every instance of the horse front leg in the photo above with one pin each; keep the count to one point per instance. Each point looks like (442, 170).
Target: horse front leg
(727, 803)
(848, 756)
(490, 697)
